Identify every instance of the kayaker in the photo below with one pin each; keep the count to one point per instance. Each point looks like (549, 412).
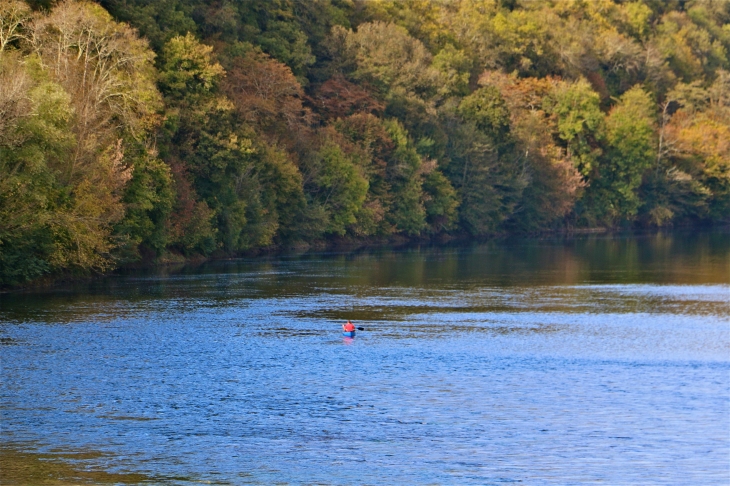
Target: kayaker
(348, 326)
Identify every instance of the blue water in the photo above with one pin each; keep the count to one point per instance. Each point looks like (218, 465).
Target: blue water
(535, 362)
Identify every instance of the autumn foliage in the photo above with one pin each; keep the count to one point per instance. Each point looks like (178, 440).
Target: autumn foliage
(137, 130)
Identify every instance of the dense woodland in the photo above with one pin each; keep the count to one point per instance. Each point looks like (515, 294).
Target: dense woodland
(152, 129)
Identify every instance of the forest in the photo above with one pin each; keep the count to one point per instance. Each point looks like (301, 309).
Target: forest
(154, 130)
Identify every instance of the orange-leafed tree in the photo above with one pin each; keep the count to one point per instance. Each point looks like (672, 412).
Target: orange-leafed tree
(267, 95)
(338, 98)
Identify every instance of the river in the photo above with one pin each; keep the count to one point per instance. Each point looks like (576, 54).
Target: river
(594, 359)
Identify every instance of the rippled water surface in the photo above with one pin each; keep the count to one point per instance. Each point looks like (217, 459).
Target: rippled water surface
(594, 359)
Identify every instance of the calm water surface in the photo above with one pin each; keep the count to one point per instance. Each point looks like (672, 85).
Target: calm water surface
(589, 360)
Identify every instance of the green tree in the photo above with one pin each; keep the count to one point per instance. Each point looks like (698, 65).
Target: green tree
(631, 138)
(404, 173)
(35, 137)
(576, 107)
(158, 21)
(488, 111)
(488, 175)
(387, 57)
(455, 68)
(188, 73)
(337, 185)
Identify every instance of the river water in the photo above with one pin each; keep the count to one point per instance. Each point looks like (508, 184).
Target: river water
(597, 359)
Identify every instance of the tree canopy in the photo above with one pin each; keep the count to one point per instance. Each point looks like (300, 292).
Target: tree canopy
(139, 129)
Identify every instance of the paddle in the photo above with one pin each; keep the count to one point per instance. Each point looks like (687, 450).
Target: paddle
(360, 328)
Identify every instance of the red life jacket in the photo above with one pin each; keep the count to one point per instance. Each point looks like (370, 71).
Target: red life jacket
(349, 327)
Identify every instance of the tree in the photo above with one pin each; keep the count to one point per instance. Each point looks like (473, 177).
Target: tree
(336, 184)
(266, 95)
(694, 174)
(455, 68)
(339, 98)
(35, 137)
(631, 138)
(14, 15)
(579, 120)
(105, 68)
(689, 49)
(157, 21)
(388, 58)
(423, 19)
(188, 73)
(404, 173)
(488, 111)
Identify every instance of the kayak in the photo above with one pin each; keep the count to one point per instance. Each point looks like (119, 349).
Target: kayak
(348, 333)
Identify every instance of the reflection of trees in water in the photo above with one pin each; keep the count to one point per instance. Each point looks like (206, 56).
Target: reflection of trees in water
(495, 276)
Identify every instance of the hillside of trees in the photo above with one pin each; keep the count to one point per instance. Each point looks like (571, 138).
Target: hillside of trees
(139, 129)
